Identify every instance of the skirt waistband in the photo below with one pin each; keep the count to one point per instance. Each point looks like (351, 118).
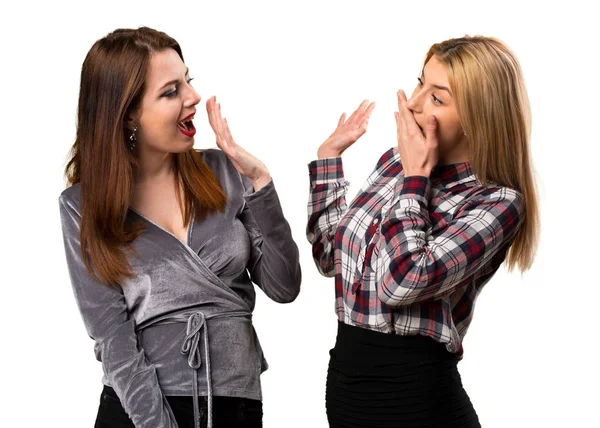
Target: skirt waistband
(367, 347)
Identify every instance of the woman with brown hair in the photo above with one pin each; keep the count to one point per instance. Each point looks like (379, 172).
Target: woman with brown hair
(163, 243)
(432, 224)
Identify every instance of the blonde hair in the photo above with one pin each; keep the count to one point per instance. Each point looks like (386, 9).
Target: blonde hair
(489, 90)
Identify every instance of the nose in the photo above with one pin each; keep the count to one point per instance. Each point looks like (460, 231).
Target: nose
(414, 103)
(192, 97)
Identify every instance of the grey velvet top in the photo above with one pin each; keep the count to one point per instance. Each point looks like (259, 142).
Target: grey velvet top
(190, 306)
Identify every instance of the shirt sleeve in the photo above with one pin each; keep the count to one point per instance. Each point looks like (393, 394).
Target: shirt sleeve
(414, 266)
(274, 261)
(326, 207)
(108, 322)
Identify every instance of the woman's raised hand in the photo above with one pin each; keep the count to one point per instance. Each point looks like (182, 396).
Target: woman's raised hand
(347, 131)
(243, 161)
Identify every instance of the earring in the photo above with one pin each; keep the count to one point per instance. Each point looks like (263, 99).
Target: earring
(132, 139)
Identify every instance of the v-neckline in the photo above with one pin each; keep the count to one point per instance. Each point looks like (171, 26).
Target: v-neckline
(209, 274)
(190, 227)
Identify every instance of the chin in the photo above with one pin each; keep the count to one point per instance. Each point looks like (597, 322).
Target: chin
(185, 147)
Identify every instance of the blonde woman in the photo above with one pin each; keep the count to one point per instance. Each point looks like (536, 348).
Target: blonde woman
(429, 228)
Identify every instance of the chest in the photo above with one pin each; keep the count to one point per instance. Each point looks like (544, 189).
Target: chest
(160, 205)
(377, 201)
(218, 241)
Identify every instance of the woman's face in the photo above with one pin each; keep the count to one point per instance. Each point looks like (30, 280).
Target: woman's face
(432, 96)
(164, 116)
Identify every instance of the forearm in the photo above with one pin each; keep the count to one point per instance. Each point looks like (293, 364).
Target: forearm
(415, 265)
(326, 207)
(275, 265)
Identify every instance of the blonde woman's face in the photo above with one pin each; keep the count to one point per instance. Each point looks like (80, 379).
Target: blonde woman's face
(433, 97)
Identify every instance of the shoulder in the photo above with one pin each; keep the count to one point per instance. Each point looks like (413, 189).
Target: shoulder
(499, 193)
(505, 203)
(387, 158)
(212, 155)
(221, 166)
(218, 161)
(71, 197)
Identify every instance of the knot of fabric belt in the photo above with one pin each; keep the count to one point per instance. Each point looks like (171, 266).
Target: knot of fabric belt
(192, 339)
(195, 324)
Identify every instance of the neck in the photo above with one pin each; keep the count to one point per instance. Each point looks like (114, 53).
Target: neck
(153, 166)
(458, 154)
(449, 159)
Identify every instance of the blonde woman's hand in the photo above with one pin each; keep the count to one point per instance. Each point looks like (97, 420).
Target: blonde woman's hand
(418, 154)
(243, 161)
(347, 131)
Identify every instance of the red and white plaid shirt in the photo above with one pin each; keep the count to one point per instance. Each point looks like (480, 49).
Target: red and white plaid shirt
(411, 254)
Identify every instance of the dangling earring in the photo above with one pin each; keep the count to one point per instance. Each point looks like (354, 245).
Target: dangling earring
(132, 139)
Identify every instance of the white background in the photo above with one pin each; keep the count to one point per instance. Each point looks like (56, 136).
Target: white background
(284, 72)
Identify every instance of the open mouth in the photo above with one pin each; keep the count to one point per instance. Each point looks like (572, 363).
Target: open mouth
(186, 126)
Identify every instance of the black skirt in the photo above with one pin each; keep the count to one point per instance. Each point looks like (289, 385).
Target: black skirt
(386, 380)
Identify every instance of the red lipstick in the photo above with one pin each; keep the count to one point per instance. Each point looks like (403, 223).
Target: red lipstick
(186, 126)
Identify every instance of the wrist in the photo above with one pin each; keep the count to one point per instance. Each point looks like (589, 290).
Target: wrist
(261, 181)
(323, 153)
(422, 172)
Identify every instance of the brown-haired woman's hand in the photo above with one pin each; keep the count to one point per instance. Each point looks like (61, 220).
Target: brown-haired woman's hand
(243, 161)
(347, 131)
(418, 154)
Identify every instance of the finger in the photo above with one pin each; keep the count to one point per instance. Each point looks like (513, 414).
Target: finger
(212, 116)
(230, 141)
(431, 132)
(398, 114)
(367, 113)
(409, 124)
(216, 122)
(220, 121)
(353, 117)
(342, 119)
(210, 109)
(365, 119)
(398, 124)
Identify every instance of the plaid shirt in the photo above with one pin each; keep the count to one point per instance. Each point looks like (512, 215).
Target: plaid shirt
(411, 254)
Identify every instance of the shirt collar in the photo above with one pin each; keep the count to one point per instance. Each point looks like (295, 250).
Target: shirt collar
(444, 174)
(452, 173)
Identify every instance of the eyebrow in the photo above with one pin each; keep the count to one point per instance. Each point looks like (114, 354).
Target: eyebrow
(443, 88)
(440, 87)
(172, 82)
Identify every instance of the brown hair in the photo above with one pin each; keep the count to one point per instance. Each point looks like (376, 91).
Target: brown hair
(112, 84)
(491, 99)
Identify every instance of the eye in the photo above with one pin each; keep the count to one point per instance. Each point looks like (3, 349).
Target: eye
(420, 81)
(189, 81)
(170, 94)
(436, 100)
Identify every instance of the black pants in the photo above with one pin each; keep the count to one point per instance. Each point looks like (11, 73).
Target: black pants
(228, 412)
(378, 380)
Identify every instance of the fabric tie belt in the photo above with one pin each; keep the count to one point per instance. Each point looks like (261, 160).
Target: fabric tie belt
(196, 326)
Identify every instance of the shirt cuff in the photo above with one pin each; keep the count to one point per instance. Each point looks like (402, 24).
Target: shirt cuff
(250, 194)
(327, 170)
(415, 186)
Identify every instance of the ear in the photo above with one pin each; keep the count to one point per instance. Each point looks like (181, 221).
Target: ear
(131, 119)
